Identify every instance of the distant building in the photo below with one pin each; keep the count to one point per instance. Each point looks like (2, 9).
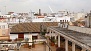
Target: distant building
(88, 20)
(9, 13)
(63, 13)
(23, 14)
(4, 18)
(4, 31)
(79, 15)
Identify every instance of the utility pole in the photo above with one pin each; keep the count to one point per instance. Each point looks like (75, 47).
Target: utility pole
(82, 10)
(5, 9)
(31, 13)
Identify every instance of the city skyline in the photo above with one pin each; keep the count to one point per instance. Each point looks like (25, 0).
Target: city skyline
(34, 5)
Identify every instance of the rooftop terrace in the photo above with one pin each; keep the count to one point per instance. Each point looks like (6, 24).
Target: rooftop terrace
(83, 38)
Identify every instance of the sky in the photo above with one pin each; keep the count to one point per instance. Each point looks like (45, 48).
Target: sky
(34, 5)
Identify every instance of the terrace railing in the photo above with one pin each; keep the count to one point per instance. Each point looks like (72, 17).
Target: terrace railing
(46, 44)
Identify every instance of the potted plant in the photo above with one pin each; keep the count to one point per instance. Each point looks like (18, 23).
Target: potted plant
(33, 45)
(52, 41)
(56, 45)
(26, 40)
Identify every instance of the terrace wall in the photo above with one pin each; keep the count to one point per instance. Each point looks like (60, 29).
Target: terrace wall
(80, 29)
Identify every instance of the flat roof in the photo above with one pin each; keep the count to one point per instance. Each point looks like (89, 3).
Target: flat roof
(77, 36)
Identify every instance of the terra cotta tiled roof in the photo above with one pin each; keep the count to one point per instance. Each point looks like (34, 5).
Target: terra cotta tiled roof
(31, 27)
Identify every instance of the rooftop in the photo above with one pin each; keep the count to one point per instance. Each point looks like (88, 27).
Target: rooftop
(31, 27)
(80, 37)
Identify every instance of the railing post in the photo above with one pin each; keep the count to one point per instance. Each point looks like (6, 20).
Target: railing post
(49, 49)
(45, 45)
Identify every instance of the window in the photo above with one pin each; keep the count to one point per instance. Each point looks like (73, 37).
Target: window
(3, 26)
(3, 32)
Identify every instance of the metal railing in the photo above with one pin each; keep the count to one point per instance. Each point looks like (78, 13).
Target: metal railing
(48, 46)
(16, 45)
(46, 43)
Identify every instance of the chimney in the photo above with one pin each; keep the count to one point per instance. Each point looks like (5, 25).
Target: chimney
(39, 12)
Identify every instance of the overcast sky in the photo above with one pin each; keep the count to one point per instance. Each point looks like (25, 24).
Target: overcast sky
(34, 5)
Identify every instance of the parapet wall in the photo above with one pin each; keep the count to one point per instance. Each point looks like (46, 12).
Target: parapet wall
(80, 29)
(4, 37)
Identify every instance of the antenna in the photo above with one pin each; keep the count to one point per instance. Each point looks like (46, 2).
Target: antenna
(51, 9)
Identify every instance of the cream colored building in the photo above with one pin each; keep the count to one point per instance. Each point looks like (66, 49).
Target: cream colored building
(4, 31)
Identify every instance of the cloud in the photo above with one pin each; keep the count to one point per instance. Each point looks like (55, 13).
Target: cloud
(34, 5)
(19, 0)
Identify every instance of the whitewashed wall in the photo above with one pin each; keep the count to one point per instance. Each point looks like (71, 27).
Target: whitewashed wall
(13, 36)
(80, 29)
